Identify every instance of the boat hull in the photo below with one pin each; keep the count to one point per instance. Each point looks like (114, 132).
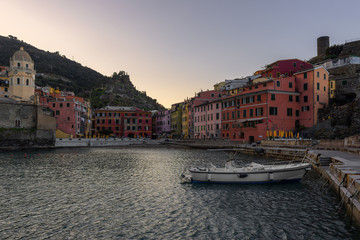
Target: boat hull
(293, 174)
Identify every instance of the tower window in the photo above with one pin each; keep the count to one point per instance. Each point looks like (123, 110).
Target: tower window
(27, 66)
(18, 64)
(27, 82)
(17, 123)
(18, 80)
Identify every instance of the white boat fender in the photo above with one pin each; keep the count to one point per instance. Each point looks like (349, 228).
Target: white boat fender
(271, 176)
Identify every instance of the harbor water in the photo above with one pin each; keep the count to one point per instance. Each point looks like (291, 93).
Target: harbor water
(136, 193)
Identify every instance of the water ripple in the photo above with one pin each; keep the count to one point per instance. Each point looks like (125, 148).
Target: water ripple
(135, 193)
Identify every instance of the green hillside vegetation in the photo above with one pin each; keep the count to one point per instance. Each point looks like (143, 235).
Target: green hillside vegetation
(58, 71)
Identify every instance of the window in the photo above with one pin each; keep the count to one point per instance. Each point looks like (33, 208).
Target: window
(18, 64)
(264, 85)
(259, 111)
(27, 66)
(305, 108)
(27, 82)
(305, 98)
(290, 84)
(17, 123)
(98, 121)
(67, 104)
(289, 112)
(217, 116)
(18, 80)
(259, 98)
(324, 89)
(53, 104)
(318, 86)
(344, 83)
(294, 64)
(278, 74)
(305, 75)
(217, 105)
(297, 98)
(57, 112)
(244, 113)
(251, 112)
(317, 74)
(272, 96)
(317, 98)
(103, 121)
(305, 86)
(6, 89)
(331, 84)
(290, 98)
(324, 76)
(297, 113)
(278, 83)
(61, 104)
(110, 114)
(273, 111)
(68, 118)
(109, 121)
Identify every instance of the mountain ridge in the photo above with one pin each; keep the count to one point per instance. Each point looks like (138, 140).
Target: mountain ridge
(60, 72)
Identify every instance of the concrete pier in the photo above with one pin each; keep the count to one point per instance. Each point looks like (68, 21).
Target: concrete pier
(343, 174)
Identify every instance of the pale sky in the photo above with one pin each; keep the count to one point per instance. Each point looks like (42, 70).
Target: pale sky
(174, 48)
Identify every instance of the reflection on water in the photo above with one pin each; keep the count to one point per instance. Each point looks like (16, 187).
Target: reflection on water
(136, 193)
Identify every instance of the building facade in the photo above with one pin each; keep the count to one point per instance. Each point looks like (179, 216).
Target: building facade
(162, 121)
(122, 122)
(277, 107)
(284, 68)
(207, 120)
(72, 113)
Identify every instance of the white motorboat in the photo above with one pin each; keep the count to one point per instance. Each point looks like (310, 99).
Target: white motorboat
(250, 173)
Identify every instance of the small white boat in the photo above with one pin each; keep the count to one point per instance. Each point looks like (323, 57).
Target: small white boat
(250, 173)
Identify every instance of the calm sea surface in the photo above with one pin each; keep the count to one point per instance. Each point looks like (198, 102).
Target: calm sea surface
(135, 193)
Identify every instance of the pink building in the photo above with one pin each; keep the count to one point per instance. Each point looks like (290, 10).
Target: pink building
(285, 67)
(207, 120)
(162, 121)
(199, 99)
(72, 113)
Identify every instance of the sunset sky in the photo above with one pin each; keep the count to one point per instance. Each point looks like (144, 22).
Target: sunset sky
(174, 48)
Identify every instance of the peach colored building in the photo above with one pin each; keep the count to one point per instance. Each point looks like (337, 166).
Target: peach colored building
(275, 107)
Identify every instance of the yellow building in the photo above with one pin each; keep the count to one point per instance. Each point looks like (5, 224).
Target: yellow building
(176, 120)
(332, 88)
(185, 121)
(22, 77)
(219, 86)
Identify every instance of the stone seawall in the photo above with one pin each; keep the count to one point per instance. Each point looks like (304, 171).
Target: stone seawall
(97, 142)
(26, 138)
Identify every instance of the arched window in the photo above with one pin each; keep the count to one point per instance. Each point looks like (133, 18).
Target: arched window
(18, 64)
(18, 80)
(27, 82)
(17, 123)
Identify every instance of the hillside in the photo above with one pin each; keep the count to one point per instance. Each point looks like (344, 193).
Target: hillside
(58, 71)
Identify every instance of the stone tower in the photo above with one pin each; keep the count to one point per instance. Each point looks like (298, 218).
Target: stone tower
(22, 76)
(322, 44)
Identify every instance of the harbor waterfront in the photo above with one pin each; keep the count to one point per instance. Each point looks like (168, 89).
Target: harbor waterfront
(136, 193)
